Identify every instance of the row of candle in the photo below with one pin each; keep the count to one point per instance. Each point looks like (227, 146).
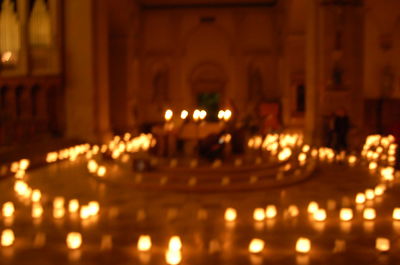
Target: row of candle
(198, 115)
(173, 254)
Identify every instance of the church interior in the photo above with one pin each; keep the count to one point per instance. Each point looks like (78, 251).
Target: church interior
(199, 132)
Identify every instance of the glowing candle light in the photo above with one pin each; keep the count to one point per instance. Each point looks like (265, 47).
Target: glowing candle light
(293, 210)
(227, 115)
(73, 206)
(256, 246)
(92, 166)
(346, 214)
(7, 238)
(175, 243)
(94, 208)
(36, 195)
(369, 194)
(173, 257)
(74, 240)
(396, 214)
(369, 214)
(221, 114)
(230, 214)
(382, 244)
(372, 166)
(24, 164)
(58, 202)
(144, 243)
(168, 115)
(379, 190)
(360, 198)
(312, 207)
(302, 157)
(101, 171)
(8, 209)
(352, 160)
(58, 213)
(303, 245)
(271, 211)
(85, 212)
(37, 210)
(259, 214)
(184, 114)
(20, 174)
(319, 215)
(305, 148)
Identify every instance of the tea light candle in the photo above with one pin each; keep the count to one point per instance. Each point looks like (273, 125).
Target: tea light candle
(312, 207)
(256, 246)
(7, 238)
(73, 206)
(37, 210)
(303, 245)
(101, 171)
(346, 214)
(382, 244)
(271, 211)
(369, 194)
(58, 202)
(379, 190)
(94, 208)
(8, 209)
(144, 243)
(175, 243)
(173, 257)
(396, 214)
(36, 195)
(230, 214)
(360, 198)
(293, 210)
(369, 214)
(74, 240)
(320, 215)
(259, 214)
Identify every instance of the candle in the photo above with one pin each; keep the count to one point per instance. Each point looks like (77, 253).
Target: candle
(8, 209)
(369, 214)
(74, 240)
(175, 243)
(259, 214)
(256, 246)
(319, 215)
(369, 194)
(184, 114)
(312, 207)
(360, 198)
(73, 206)
(303, 245)
(227, 115)
(36, 195)
(230, 214)
(7, 238)
(346, 214)
(173, 257)
(382, 244)
(144, 243)
(58, 202)
(168, 115)
(396, 214)
(271, 211)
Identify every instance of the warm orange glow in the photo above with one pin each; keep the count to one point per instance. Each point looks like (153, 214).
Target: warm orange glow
(37, 210)
(168, 115)
(74, 240)
(259, 214)
(184, 114)
(346, 214)
(73, 206)
(303, 245)
(396, 214)
(36, 196)
(221, 114)
(230, 214)
(293, 210)
(7, 238)
(382, 244)
(58, 202)
(369, 194)
(319, 215)
(360, 198)
(8, 209)
(144, 243)
(94, 208)
(369, 214)
(101, 171)
(175, 243)
(256, 246)
(227, 115)
(173, 257)
(271, 211)
(312, 207)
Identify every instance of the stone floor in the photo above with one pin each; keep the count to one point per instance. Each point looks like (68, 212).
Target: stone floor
(198, 218)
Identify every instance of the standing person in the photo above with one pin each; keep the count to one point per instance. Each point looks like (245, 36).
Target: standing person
(341, 129)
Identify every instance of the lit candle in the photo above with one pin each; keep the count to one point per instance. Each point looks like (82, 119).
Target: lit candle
(360, 198)
(85, 212)
(173, 257)
(256, 246)
(175, 243)
(144, 243)
(94, 208)
(8, 209)
(74, 240)
(369, 214)
(293, 210)
(312, 207)
(319, 215)
(73, 206)
(37, 210)
(303, 245)
(379, 190)
(221, 114)
(259, 214)
(101, 171)
(346, 214)
(369, 194)
(7, 238)
(230, 214)
(58, 202)
(184, 114)
(227, 115)
(271, 211)
(168, 115)
(382, 244)
(36, 195)
(196, 115)
(396, 214)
